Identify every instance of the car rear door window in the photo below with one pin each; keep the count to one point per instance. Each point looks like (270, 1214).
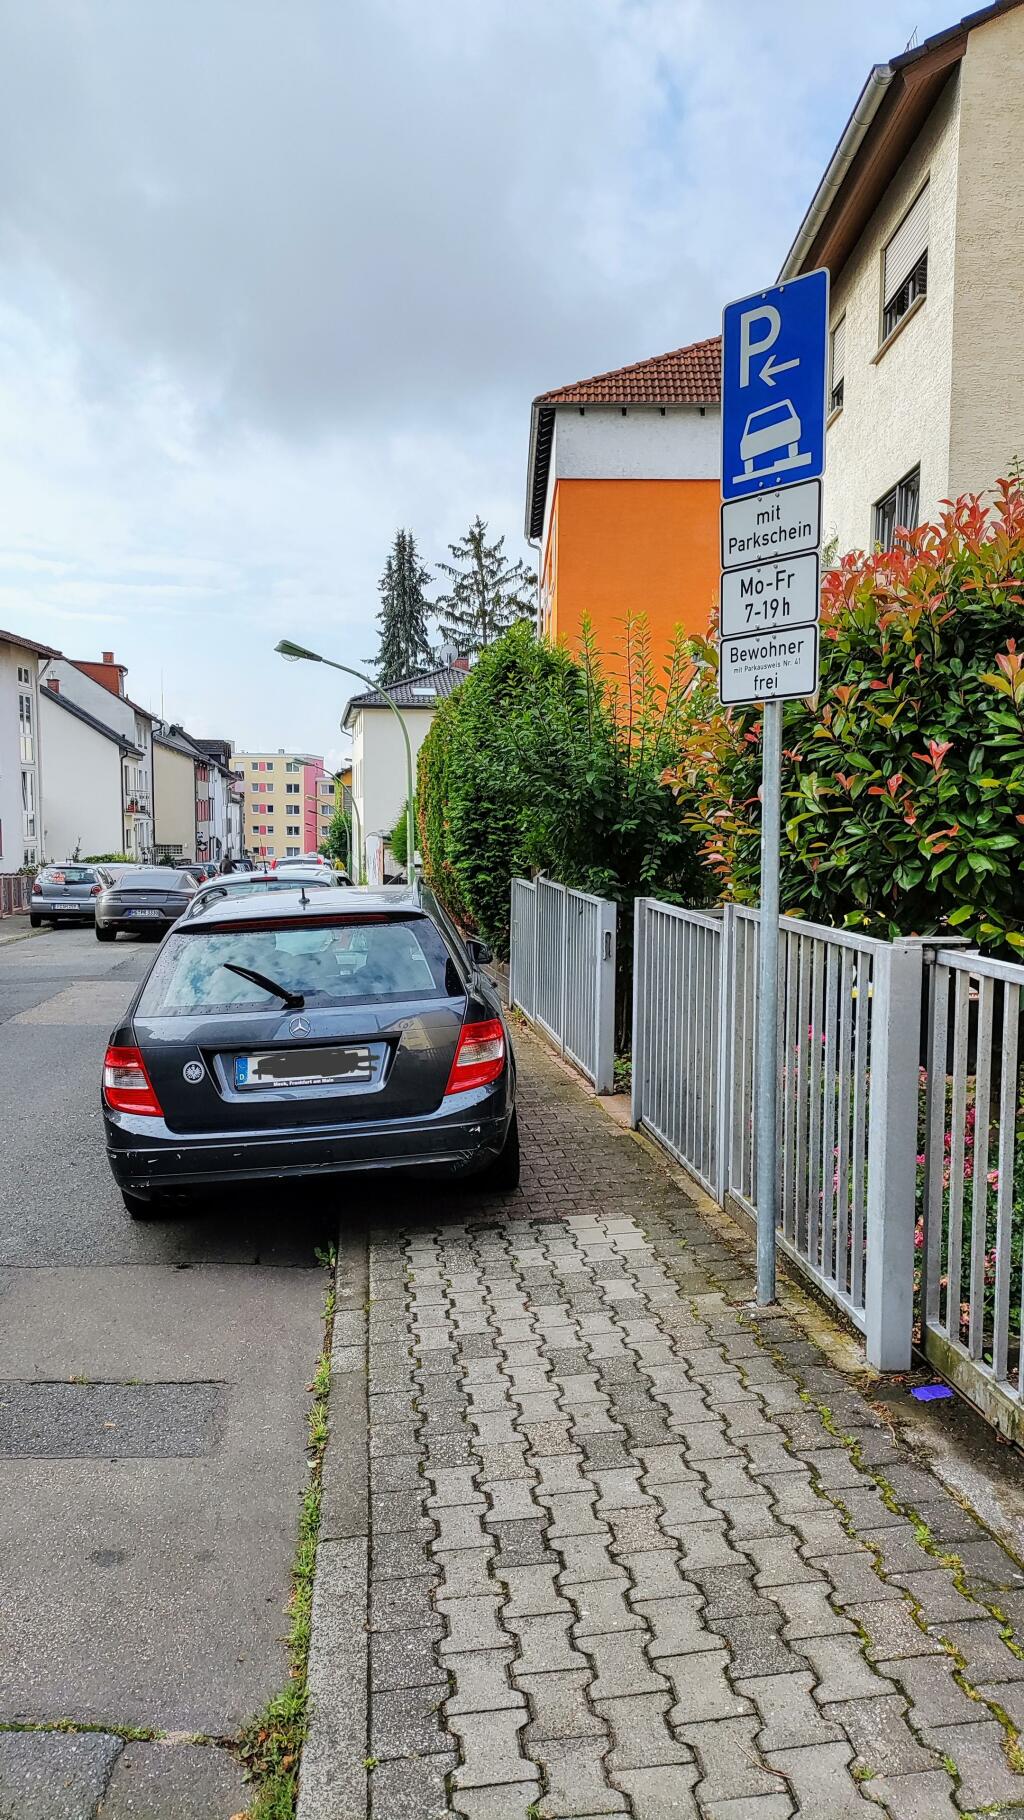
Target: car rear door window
(68, 875)
(327, 964)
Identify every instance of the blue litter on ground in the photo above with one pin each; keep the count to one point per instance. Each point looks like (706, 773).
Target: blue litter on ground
(930, 1393)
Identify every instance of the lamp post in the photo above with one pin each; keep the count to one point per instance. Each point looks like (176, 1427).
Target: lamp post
(293, 653)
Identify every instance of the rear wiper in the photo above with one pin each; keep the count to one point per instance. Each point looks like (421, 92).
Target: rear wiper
(294, 1001)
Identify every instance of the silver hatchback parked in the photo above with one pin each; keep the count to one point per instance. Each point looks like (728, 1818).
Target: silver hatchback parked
(63, 894)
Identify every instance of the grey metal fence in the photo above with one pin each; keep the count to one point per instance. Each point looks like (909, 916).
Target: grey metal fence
(972, 1229)
(848, 1071)
(562, 971)
(680, 959)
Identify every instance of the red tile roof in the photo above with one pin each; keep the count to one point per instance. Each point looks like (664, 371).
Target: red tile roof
(691, 375)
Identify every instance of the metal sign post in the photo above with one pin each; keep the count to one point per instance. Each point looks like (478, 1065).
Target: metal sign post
(773, 455)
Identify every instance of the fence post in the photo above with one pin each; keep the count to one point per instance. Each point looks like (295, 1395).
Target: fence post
(604, 1058)
(723, 1083)
(513, 900)
(637, 1088)
(892, 1151)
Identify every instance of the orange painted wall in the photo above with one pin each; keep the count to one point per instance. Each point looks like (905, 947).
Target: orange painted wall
(632, 546)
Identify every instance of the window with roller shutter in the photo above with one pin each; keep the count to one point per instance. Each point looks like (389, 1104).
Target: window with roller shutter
(905, 265)
(837, 366)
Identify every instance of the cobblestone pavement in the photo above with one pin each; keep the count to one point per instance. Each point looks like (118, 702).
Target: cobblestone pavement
(637, 1551)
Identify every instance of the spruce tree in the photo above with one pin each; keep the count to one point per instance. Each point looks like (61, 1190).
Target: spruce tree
(488, 593)
(404, 644)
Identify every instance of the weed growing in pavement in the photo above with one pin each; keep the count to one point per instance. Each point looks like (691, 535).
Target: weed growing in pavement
(271, 1744)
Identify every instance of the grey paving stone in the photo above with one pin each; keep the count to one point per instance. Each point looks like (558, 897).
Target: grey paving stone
(842, 1670)
(928, 1796)
(531, 1591)
(453, 1485)
(602, 1608)
(172, 1782)
(821, 1779)
(559, 1706)
(729, 1591)
(482, 1683)
(928, 1680)
(881, 1735)
(473, 1624)
(622, 1666)
(491, 1749)
(460, 1526)
(761, 1807)
(407, 1723)
(512, 1801)
(399, 1556)
(467, 1573)
(544, 1644)
(701, 1687)
(778, 1562)
(641, 1738)
(728, 1756)
(586, 1559)
(46, 1776)
(411, 1791)
(853, 1579)
(497, 1463)
(978, 1752)
(661, 1794)
(401, 1474)
(404, 1658)
(576, 1785)
(521, 1544)
(893, 1632)
(756, 1645)
(658, 1575)
(637, 1532)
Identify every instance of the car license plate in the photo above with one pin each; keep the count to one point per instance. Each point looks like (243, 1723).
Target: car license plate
(303, 1067)
(143, 912)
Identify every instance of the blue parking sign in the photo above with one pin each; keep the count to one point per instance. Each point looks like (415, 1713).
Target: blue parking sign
(774, 360)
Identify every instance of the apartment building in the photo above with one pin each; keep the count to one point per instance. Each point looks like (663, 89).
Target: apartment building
(99, 688)
(919, 219)
(88, 765)
(280, 817)
(21, 828)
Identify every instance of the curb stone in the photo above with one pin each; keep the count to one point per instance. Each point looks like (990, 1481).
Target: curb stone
(333, 1773)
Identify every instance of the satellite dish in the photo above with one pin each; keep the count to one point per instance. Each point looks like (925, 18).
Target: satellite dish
(448, 653)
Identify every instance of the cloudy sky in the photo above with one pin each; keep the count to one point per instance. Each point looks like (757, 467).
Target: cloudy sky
(277, 276)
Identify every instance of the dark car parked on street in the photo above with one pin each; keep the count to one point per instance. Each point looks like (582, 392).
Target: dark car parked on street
(144, 901)
(64, 894)
(310, 1033)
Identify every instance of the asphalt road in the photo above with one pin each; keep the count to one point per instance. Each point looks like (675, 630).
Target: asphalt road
(153, 1392)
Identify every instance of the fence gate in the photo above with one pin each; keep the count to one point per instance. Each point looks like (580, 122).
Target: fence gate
(562, 971)
(679, 1038)
(973, 1226)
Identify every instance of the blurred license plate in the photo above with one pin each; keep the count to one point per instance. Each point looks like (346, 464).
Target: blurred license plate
(144, 913)
(302, 1067)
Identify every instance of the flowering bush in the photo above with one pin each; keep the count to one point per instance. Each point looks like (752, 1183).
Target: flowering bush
(904, 778)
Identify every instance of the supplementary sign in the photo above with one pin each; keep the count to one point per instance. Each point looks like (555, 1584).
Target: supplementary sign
(768, 666)
(770, 596)
(773, 386)
(782, 523)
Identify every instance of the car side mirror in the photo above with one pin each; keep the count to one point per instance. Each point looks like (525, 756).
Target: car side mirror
(479, 952)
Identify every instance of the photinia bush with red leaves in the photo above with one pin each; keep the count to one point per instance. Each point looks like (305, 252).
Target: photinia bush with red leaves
(904, 778)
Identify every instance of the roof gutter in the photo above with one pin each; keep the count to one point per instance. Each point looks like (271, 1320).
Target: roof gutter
(868, 103)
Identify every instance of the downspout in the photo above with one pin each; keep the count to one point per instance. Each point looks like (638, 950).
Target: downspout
(868, 104)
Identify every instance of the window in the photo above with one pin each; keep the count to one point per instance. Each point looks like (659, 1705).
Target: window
(330, 963)
(292, 766)
(293, 789)
(905, 265)
(24, 675)
(28, 804)
(25, 724)
(292, 852)
(268, 786)
(898, 510)
(838, 366)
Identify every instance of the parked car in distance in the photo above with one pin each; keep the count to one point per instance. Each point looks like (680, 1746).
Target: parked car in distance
(301, 859)
(63, 894)
(108, 871)
(196, 868)
(250, 884)
(308, 1034)
(239, 864)
(145, 901)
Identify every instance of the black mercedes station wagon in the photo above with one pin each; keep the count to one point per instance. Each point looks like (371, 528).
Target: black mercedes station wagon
(309, 1034)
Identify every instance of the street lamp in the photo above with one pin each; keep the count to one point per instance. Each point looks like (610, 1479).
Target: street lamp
(293, 652)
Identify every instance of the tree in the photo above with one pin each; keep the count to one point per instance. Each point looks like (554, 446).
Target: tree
(404, 644)
(488, 594)
(339, 836)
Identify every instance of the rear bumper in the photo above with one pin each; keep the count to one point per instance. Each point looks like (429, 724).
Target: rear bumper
(130, 925)
(146, 1157)
(80, 909)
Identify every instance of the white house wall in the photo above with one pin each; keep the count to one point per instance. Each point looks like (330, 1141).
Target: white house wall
(640, 444)
(82, 802)
(896, 410)
(175, 788)
(378, 753)
(12, 842)
(987, 428)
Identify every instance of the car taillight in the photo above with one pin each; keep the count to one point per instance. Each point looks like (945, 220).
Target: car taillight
(95, 890)
(126, 1084)
(37, 889)
(479, 1058)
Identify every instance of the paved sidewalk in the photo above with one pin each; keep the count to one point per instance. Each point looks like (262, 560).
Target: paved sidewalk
(634, 1551)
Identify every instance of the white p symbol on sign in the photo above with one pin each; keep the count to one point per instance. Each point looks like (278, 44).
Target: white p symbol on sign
(767, 314)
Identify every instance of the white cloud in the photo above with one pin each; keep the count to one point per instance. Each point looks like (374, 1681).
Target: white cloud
(281, 275)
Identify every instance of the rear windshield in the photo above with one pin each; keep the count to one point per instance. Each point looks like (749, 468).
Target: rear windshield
(339, 964)
(149, 878)
(241, 886)
(67, 875)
